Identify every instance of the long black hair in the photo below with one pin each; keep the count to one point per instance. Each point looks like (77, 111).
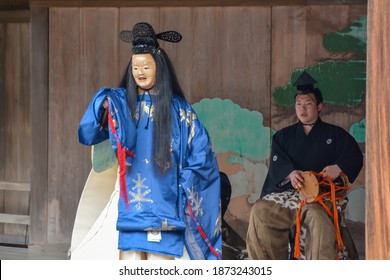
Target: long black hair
(166, 86)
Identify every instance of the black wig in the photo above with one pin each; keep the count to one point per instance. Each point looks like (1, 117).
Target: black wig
(166, 86)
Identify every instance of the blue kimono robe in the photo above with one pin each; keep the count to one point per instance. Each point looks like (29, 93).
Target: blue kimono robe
(160, 213)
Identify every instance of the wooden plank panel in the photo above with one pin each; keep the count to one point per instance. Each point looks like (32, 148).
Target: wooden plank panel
(12, 48)
(179, 19)
(206, 40)
(2, 104)
(12, 109)
(100, 48)
(323, 19)
(65, 86)
(17, 108)
(2, 114)
(14, 240)
(288, 53)
(83, 64)
(378, 132)
(39, 123)
(356, 11)
(17, 113)
(25, 114)
(99, 51)
(15, 16)
(12, 186)
(14, 219)
(244, 58)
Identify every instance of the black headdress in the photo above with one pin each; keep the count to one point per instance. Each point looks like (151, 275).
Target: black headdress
(144, 39)
(305, 84)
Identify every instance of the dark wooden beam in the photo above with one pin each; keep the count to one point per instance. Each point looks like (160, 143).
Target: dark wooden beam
(187, 3)
(14, 16)
(336, 2)
(14, 5)
(26, 4)
(157, 3)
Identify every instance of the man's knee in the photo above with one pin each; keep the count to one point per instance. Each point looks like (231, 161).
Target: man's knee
(314, 211)
(260, 211)
(315, 216)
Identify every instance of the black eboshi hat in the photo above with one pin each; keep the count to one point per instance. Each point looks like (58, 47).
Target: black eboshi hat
(145, 40)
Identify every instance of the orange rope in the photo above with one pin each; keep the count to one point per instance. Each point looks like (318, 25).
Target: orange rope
(297, 247)
(326, 181)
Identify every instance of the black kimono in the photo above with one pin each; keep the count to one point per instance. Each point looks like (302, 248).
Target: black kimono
(326, 144)
(274, 215)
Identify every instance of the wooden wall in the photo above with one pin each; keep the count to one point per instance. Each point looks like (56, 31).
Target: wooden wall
(15, 131)
(237, 52)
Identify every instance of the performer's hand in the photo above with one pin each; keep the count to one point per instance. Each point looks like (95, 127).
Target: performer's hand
(105, 103)
(296, 179)
(104, 121)
(332, 171)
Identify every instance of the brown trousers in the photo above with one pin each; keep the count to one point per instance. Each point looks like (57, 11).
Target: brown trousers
(270, 225)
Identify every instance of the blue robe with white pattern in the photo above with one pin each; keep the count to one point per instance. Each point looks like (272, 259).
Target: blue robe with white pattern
(183, 204)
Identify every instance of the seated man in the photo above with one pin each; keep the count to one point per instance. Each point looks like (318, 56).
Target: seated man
(308, 145)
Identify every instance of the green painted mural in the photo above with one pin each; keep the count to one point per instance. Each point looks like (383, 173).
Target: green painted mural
(352, 39)
(358, 131)
(241, 142)
(233, 129)
(342, 82)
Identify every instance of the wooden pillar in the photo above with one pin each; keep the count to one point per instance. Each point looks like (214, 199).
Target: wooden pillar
(39, 125)
(378, 131)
